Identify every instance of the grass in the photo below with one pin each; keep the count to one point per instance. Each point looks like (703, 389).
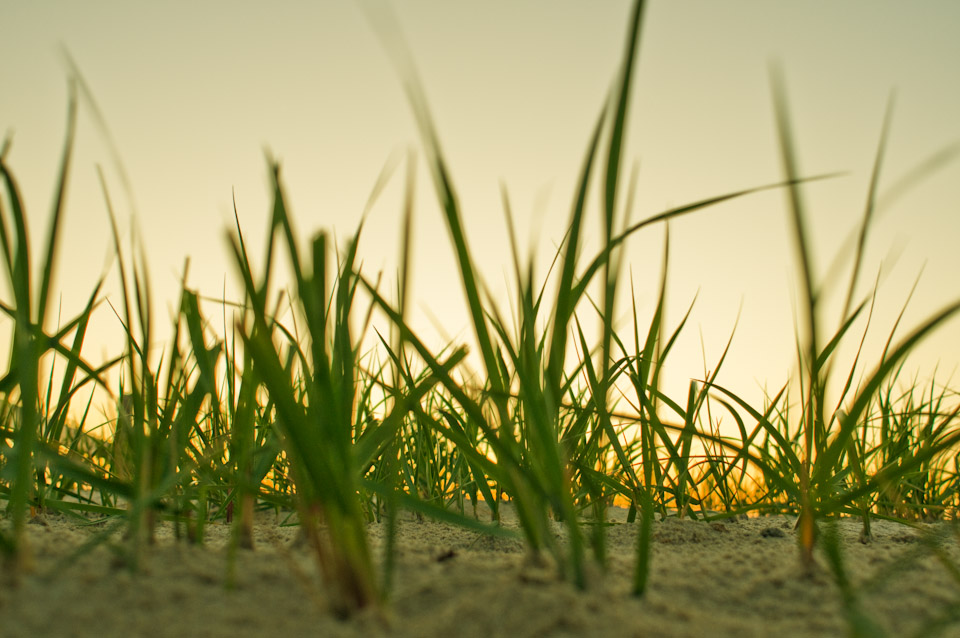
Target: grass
(299, 416)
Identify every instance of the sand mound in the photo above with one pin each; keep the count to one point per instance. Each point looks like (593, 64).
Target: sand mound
(731, 578)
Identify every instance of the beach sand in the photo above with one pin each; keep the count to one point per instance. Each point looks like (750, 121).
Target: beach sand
(736, 577)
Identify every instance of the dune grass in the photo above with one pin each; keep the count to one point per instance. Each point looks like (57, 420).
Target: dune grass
(300, 416)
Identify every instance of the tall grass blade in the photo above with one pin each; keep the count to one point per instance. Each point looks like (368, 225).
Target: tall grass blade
(809, 349)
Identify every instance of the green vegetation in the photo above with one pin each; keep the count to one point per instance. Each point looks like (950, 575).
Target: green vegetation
(300, 417)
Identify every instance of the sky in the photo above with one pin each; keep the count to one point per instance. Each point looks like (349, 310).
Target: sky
(197, 96)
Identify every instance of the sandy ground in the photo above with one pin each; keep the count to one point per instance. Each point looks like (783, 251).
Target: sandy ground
(732, 578)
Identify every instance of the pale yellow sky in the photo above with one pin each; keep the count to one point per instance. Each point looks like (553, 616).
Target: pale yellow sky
(194, 92)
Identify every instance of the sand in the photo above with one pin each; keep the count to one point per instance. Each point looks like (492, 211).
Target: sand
(732, 578)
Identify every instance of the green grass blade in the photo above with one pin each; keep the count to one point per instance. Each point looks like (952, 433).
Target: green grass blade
(601, 259)
(50, 256)
(869, 209)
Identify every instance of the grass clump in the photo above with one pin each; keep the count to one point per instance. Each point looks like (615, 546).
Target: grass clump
(35, 425)
(313, 389)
